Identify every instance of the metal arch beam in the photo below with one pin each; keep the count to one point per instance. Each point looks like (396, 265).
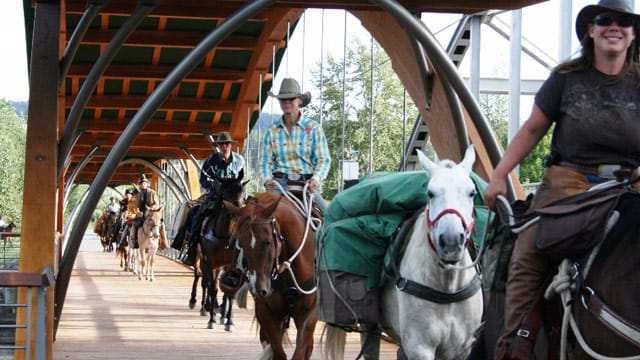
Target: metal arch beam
(444, 66)
(79, 32)
(180, 175)
(72, 177)
(162, 174)
(137, 123)
(70, 133)
(186, 151)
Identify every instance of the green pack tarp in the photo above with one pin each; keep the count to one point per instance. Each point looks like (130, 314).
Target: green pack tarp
(362, 220)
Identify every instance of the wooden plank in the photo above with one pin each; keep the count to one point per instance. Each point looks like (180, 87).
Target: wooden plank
(110, 314)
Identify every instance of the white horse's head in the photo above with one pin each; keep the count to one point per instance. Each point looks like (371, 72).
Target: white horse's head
(450, 195)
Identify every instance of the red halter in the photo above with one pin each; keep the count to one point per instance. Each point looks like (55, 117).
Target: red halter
(467, 227)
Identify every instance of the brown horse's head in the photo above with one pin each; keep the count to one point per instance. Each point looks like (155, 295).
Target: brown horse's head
(230, 190)
(270, 233)
(257, 234)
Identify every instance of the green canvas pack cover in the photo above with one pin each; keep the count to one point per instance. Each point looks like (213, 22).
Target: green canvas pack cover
(362, 220)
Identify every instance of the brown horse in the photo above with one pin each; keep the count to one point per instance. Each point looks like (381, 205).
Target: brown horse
(215, 245)
(277, 248)
(601, 310)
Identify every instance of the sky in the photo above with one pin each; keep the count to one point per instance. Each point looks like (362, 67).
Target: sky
(322, 31)
(14, 83)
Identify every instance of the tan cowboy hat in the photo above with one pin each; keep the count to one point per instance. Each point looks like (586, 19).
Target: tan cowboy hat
(143, 179)
(290, 89)
(589, 12)
(225, 137)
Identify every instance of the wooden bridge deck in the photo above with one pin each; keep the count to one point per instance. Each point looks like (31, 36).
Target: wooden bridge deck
(110, 314)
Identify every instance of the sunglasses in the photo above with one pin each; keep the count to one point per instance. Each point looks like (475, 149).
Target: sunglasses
(606, 19)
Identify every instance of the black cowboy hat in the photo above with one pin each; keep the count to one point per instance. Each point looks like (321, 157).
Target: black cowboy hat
(586, 15)
(225, 137)
(290, 89)
(143, 179)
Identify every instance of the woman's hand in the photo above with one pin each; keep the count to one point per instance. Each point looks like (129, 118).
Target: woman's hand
(497, 186)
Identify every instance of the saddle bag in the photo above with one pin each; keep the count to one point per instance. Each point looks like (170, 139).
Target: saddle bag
(500, 240)
(570, 227)
(344, 300)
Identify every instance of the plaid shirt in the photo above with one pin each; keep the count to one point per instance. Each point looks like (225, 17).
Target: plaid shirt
(214, 165)
(304, 151)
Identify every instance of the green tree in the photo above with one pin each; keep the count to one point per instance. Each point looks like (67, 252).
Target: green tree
(355, 128)
(496, 109)
(13, 130)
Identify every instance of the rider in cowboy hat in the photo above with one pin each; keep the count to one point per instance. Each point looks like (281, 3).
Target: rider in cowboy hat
(145, 197)
(309, 159)
(224, 163)
(594, 104)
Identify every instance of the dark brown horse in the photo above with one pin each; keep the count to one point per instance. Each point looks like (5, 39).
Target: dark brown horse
(601, 315)
(215, 247)
(277, 248)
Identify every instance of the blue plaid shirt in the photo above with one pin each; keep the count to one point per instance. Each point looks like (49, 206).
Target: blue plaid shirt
(217, 165)
(304, 151)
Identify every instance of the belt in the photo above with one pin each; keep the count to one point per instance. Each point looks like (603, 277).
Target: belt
(606, 171)
(294, 177)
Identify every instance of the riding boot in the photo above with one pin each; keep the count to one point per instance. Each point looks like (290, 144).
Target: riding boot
(190, 256)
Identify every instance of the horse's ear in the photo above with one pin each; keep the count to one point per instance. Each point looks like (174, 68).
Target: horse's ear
(240, 175)
(469, 158)
(426, 163)
(245, 182)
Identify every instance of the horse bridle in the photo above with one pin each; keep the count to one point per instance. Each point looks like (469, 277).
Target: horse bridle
(278, 240)
(468, 228)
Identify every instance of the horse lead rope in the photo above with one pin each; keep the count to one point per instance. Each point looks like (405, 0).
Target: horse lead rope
(562, 285)
(306, 212)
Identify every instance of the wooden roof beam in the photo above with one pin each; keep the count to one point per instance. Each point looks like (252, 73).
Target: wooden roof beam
(161, 127)
(170, 39)
(134, 102)
(143, 142)
(185, 9)
(157, 72)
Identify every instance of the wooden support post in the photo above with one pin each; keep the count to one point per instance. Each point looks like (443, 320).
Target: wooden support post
(37, 247)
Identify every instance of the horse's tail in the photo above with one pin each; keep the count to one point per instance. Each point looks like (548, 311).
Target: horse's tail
(241, 295)
(334, 344)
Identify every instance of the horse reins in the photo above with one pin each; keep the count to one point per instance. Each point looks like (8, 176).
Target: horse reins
(278, 240)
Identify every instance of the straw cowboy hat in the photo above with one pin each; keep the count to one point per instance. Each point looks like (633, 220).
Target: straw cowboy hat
(225, 137)
(290, 89)
(143, 179)
(586, 15)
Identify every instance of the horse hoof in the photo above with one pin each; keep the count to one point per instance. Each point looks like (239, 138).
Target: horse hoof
(211, 325)
(227, 328)
(192, 305)
(203, 312)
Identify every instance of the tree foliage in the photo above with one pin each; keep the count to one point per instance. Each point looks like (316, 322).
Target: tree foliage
(351, 81)
(13, 134)
(496, 109)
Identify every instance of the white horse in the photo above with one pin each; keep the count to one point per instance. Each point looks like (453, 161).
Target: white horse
(148, 238)
(433, 306)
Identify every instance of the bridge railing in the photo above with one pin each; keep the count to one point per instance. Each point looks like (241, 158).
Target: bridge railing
(40, 282)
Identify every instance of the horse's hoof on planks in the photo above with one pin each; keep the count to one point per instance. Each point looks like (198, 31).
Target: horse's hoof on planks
(211, 325)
